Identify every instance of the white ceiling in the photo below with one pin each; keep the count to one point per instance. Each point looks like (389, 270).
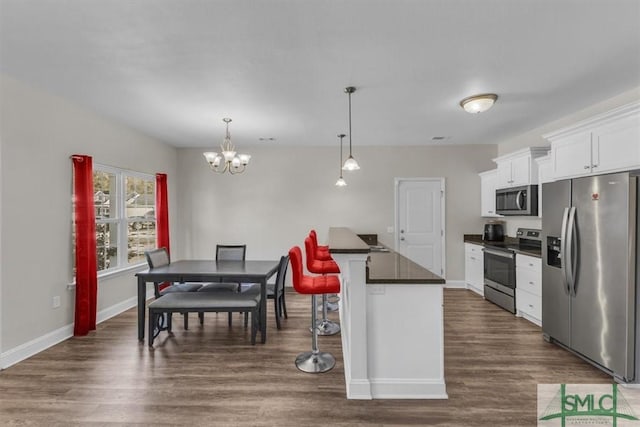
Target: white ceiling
(174, 68)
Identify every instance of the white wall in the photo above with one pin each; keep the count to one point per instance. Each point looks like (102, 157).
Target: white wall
(286, 191)
(39, 132)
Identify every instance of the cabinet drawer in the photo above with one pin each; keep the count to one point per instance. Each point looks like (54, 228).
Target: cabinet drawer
(529, 304)
(526, 261)
(529, 280)
(471, 248)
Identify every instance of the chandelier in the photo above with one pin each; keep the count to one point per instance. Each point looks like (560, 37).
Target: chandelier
(227, 160)
(350, 164)
(341, 182)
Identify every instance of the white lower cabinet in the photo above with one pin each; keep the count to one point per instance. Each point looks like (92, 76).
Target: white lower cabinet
(529, 288)
(474, 267)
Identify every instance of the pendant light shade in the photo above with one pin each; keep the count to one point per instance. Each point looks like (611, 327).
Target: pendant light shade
(350, 164)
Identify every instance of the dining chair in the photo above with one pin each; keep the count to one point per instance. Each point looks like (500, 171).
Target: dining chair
(226, 253)
(159, 258)
(275, 291)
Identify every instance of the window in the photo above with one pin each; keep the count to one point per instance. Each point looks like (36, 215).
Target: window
(124, 204)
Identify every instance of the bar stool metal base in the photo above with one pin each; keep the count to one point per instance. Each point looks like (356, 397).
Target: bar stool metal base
(332, 306)
(327, 327)
(315, 363)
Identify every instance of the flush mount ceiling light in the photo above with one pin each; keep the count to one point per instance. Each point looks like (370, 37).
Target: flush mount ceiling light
(227, 160)
(478, 103)
(350, 164)
(341, 182)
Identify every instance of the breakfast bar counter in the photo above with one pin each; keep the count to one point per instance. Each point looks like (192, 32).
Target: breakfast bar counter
(391, 317)
(390, 267)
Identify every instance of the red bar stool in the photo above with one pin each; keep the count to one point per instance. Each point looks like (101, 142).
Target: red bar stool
(313, 361)
(325, 326)
(322, 253)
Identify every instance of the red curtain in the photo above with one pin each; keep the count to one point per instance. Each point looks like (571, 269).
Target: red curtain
(162, 211)
(162, 216)
(85, 224)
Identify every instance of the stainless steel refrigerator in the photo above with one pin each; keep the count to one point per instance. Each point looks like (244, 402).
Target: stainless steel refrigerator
(590, 269)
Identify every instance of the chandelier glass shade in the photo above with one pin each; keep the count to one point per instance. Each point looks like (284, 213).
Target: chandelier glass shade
(350, 164)
(341, 182)
(227, 160)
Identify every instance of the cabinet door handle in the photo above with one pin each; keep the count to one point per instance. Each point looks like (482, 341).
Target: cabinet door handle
(530, 305)
(594, 166)
(530, 265)
(587, 167)
(531, 283)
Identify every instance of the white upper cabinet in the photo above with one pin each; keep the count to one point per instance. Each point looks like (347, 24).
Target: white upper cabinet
(606, 143)
(617, 146)
(518, 168)
(488, 181)
(571, 156)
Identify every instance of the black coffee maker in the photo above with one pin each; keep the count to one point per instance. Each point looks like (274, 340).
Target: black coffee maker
(493, 232)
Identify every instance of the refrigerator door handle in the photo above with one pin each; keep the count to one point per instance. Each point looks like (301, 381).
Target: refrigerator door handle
(563, 251)
(570, 260)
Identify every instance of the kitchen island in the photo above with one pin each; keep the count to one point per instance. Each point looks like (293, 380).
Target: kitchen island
(392, 322)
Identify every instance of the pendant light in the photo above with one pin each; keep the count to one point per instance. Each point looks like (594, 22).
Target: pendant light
(350, 164)
(341, 182)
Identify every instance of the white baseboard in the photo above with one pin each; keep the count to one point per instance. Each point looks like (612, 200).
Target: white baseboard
(394, 388)
(35, 346)
(455, 284)
(28, 349)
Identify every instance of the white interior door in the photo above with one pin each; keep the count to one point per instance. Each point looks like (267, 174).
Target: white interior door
(420, 221)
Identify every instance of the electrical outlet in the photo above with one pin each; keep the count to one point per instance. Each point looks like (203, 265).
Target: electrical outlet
(56, 302)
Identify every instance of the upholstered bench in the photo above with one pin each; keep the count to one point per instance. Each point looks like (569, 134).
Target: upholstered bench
(201, 302)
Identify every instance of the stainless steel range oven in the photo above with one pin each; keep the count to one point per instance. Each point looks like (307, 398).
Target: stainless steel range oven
(500, 277)
(500, 267)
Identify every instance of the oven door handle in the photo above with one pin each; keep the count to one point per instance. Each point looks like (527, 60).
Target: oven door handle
(503, 254)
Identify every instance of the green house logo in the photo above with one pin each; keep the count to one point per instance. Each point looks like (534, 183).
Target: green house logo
(588, 408)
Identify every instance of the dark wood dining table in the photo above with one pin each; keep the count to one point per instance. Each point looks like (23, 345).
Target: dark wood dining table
(208, 271)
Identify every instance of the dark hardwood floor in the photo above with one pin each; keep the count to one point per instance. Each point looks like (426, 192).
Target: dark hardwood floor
(211, 375)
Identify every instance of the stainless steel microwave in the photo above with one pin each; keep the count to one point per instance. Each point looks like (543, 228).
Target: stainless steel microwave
(517, 201)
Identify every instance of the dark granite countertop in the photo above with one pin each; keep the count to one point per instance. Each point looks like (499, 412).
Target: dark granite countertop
(384, 266)
(393, 268)
(512, 241)
(344, 241)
